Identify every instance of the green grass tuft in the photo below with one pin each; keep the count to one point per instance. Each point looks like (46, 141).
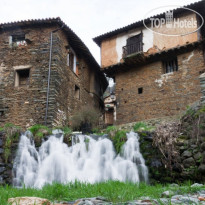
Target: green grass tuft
(113, 191)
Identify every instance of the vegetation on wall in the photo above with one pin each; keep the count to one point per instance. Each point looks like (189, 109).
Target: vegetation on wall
(12, 134)
(165, 138)
(142, 126)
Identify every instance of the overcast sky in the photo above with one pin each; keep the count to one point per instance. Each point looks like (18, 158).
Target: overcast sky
(87, 18)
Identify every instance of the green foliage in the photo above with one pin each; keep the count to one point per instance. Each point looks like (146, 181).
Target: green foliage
(141, 126)
(114, 191)
(36, 130)
(67, 130)
(1, 129)
(199, 112)
(111, 129)
(119, 140)
(97, 131)
(190, 111)
(86, 115)
(12, 134)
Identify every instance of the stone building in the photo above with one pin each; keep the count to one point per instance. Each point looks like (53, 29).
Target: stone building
(29, 93)
(156, 68)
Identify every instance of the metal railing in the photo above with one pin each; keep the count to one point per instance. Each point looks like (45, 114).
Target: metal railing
(132, 48)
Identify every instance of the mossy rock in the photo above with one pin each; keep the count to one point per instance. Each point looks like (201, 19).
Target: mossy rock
(68, 139)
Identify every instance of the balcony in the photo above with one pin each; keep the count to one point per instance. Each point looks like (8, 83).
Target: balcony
(132, 48)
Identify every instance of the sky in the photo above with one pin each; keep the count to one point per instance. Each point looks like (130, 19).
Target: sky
(87, 18)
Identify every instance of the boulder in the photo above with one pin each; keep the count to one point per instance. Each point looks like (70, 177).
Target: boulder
(189, 162)
(203, 146)
(201, 169)
(197, 156)
(186, 154)
(28, 201)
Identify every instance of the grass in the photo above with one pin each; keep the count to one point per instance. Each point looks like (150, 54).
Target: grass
(141, 126)
(113, 191)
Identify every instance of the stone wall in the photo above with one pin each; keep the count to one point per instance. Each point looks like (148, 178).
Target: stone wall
(6, 166)
(26, 106)
(163, 95)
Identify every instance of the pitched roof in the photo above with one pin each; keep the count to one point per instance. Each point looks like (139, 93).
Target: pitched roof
(76, 43)
(100, 38)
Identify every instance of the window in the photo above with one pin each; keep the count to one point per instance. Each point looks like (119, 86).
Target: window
(134, 45)
(140, 90)
(71, 61)
(1, 113)
(170, 65)
(18, 40)
(22, 78)
(77, 92)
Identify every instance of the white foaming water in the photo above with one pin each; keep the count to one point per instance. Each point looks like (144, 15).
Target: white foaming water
(87, 160)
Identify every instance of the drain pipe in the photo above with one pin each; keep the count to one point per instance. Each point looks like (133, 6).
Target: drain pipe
(49, 71)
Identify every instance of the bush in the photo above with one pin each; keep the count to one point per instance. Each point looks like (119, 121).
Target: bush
(39, 131)
(87, 115)
(38, 128)
(119, 140)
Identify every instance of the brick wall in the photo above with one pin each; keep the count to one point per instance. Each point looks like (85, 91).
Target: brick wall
(163, 94)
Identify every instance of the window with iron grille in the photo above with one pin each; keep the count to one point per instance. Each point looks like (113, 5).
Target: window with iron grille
(170, 65)
(134, 45)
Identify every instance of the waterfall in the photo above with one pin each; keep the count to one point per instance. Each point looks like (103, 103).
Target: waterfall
(87, 160)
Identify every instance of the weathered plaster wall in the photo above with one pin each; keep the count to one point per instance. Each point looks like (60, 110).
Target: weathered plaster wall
(165, 42)
(112, 49)
(163, 94)
(109, 54)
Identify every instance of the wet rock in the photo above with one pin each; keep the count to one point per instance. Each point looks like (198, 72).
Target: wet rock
(156, 163)
(186, 154)
(1, 151)
(201, 169)
(1, 142)
(189, 162)
(2, 169)
(203, 157)
(203, 146)
(28, 201)
(197, 156)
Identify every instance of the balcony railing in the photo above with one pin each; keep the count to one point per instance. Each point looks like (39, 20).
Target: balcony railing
(132, 48)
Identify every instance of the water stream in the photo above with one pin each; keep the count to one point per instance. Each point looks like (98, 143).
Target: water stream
(87, 160)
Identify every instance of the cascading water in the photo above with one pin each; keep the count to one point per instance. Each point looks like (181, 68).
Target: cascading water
(87, 160)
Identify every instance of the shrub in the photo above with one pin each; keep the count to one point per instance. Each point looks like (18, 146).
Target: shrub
(86, 115)
(12, 134)
(165, 138)
(37, 129)
(111, 129)
(119, 140)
